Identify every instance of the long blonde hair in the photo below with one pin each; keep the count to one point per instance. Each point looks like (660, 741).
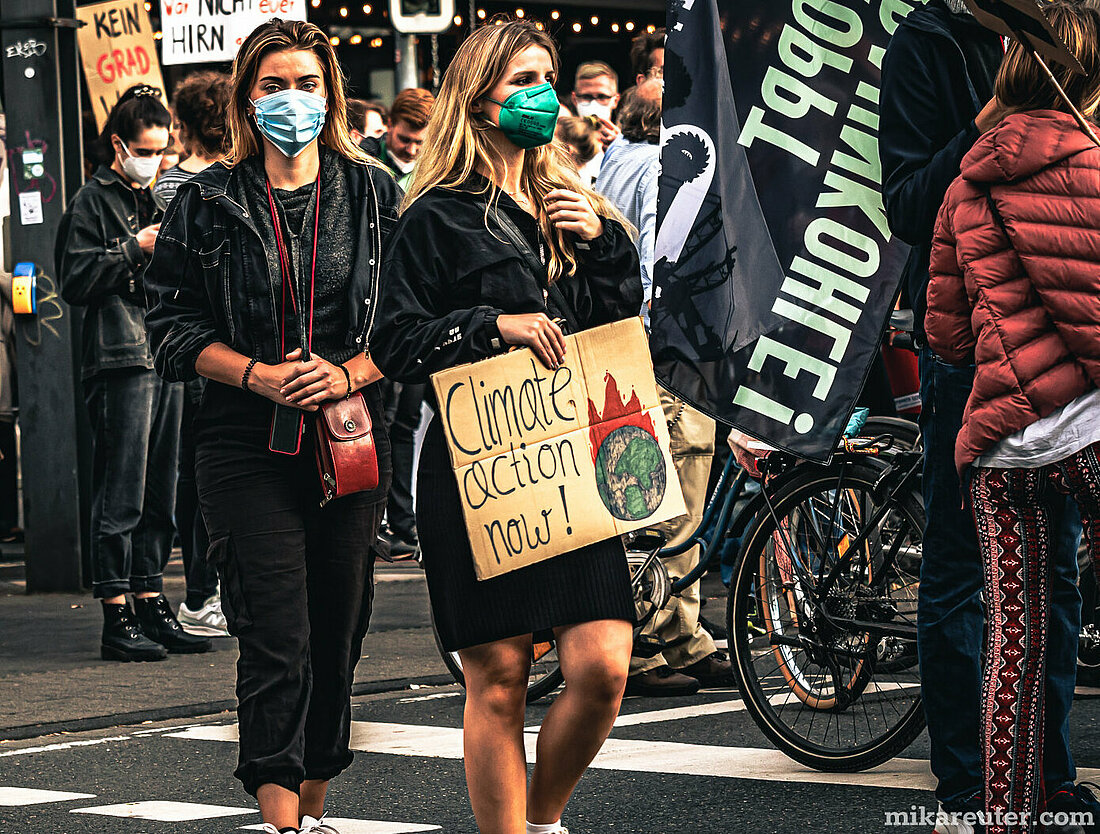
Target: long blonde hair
(288, 36)
(458, 141)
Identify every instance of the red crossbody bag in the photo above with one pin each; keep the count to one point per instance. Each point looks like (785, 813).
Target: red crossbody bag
(346, 458)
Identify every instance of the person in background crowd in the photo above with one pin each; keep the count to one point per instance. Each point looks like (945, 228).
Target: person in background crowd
(199, 105)
(457, 291)
(1015, 288)
(628, 179)
(596, 93)
(647, 56)
(581, 137)
(937, 99)
(103, 245)
(297, 578)
(366, 118)
(631, 168)
(398, 149)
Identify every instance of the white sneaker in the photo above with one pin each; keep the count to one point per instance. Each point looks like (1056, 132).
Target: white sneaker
(312, 826)
(208, 621)
(948, 823)
(268, 828)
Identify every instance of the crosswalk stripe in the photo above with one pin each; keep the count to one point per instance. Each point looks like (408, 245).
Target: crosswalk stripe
(354, 826)
(165, 811)
(14, 797)
(634, 756)
(66, 745)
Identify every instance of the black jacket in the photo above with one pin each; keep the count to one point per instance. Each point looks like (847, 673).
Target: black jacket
(209, 279)
(100, 263)
(447, 278)
(377, 149)
(932, 89)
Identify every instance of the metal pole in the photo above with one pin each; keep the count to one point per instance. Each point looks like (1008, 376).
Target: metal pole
(408, 72)
(36, 95)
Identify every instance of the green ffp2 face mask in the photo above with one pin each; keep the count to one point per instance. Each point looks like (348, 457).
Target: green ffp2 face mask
(528, 117)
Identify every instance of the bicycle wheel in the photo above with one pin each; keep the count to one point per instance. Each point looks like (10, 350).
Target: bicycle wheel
(545, 674)
(831, 695)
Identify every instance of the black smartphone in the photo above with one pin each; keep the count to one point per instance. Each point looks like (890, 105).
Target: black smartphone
(287, 424)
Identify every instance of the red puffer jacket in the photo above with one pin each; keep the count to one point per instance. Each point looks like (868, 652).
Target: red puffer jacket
(1024, 309)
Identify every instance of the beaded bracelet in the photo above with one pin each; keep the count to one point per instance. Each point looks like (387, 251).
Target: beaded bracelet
(247, 373)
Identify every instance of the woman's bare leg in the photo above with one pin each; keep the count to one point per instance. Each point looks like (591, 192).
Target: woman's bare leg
(595, 660)
(496, 765)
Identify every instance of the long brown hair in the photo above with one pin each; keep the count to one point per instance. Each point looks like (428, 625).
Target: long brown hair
(1021, 83)
(288, 36)
(458, 142)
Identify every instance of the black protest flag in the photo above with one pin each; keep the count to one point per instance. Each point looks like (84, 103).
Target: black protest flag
(775, 269)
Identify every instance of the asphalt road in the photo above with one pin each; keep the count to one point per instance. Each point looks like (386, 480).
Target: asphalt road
(673, 766)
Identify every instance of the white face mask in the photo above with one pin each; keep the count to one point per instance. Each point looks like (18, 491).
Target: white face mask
(593, 108)
(141, 169)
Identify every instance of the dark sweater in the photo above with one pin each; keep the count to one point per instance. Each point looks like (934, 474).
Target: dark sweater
(335, 249)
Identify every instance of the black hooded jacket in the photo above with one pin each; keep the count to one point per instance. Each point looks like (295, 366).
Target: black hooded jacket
(937, 76)
(447, 278)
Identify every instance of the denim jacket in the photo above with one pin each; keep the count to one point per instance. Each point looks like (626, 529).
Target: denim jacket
(100, 266)
(209, 279)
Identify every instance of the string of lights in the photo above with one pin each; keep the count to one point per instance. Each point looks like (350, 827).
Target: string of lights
(373, 17)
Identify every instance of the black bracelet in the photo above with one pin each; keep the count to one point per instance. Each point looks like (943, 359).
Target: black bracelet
(347, 376)
(247, 373)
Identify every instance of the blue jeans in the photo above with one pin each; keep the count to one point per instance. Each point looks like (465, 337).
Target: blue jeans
(950, 616)
(135, 418)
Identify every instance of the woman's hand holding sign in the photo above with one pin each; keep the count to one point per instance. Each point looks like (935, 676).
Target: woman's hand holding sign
(536, 331)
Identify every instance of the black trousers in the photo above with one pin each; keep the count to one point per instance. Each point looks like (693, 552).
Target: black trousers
(297, 588)
(403, 411)
(135, 418)
(201, 575)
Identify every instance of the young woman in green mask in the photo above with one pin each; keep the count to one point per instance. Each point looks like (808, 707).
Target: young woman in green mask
(457, 290)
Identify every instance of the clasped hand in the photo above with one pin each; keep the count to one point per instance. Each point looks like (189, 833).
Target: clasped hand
(305, 385)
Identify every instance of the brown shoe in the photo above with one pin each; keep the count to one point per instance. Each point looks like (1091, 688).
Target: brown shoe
(661, 682)
(713, 672)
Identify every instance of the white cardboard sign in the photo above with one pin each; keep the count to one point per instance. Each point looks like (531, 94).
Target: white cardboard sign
(197, 31)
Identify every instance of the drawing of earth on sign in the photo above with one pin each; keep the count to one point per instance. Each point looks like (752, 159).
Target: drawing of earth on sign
(630, 467)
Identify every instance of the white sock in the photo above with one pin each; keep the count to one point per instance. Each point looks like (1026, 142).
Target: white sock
(548, 828)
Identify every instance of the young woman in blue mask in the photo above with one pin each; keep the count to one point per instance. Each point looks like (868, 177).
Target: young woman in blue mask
(103, 245)
(456, 291)
(276, 249)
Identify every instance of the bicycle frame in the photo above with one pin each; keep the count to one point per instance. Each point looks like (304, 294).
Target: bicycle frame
(824, 584)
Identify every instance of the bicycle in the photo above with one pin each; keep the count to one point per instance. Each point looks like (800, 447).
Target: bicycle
(828, 575)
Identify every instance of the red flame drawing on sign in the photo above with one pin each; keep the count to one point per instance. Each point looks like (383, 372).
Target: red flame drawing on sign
(617, 412)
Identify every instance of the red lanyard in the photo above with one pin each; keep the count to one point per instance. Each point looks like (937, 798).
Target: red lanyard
(284, 263)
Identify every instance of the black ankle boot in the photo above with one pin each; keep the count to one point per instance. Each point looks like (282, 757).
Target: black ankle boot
(122, 637)
(160, 624)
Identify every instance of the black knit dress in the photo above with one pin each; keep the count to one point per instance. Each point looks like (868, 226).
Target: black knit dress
(445, 280)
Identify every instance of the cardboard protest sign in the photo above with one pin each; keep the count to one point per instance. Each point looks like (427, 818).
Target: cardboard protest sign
(117, 52)
(197, 31)
(549, 461)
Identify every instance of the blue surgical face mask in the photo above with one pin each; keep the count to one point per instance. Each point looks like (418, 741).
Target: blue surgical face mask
(290, 119)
